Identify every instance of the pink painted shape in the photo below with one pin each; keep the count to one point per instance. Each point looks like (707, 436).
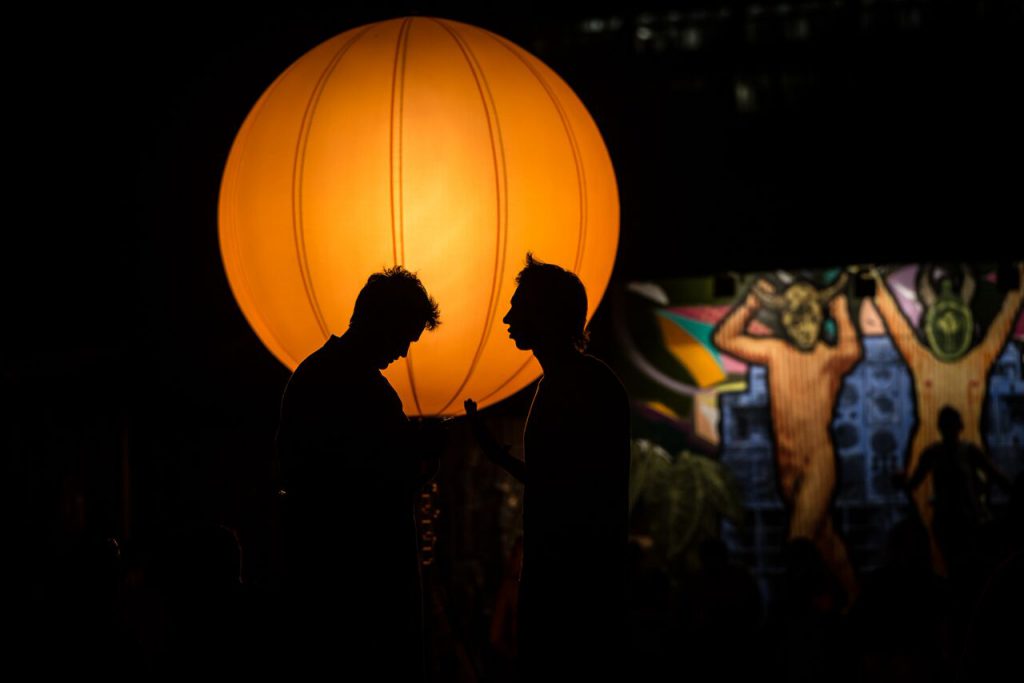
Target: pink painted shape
(702, 314)
(731, 365)
(903, 285)
(712, 315)
(756, 328)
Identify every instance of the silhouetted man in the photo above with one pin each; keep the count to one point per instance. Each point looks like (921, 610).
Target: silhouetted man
(351, 471)
(575, 511)
(958, 500)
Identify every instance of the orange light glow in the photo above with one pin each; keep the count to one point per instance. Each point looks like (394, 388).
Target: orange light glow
(430, 144)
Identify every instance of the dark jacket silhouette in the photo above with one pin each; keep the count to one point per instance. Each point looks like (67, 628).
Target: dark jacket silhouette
(576, 472)
(350, 468)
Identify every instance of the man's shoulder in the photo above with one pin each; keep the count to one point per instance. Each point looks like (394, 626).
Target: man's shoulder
(599, 389)
(308, 372)
(331, 368)
(316, 358)
(599, 373)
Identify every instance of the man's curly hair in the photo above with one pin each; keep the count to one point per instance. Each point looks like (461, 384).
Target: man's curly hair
(395, 294)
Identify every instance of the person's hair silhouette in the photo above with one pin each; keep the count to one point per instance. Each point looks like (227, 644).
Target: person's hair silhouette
(350, 470)
(950, 424)
(395, 296)
(391, 311)
(575, 510)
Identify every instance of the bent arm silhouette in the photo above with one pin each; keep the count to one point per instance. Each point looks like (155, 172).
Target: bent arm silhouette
(982, 461)
(923, 468)
(848, 345)
(730, 335)
(495, 452)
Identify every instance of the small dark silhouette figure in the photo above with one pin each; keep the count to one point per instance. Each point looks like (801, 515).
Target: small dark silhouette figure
(992, 643)
(900, 624)
(195, 571)
(76, 628)
(805, 627)
(350, 470)
(724, 613)
(575, 510)
(959, 501)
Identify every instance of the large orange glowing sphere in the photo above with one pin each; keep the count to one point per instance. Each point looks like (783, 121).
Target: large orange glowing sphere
(430, 144)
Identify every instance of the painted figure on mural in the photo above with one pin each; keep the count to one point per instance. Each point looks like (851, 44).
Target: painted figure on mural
(804, 378)
(946, 369)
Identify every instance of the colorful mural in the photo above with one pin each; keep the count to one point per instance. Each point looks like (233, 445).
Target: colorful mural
(817, 387)
(950, 365)
(804, 378)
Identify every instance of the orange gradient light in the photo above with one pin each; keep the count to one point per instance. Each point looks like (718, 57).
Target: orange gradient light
(430, 144)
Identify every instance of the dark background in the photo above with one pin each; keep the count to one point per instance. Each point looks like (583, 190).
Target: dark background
(744, 137)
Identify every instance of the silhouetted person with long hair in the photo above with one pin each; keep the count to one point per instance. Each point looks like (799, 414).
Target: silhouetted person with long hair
(576, 476)
(350, 468)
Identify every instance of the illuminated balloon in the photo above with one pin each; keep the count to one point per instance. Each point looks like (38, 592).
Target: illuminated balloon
(430, 144)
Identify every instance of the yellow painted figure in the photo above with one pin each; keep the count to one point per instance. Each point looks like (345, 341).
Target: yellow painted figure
(804, 378)
(946, 371)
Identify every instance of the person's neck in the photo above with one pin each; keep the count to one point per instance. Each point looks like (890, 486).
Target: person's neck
(360, 345)
(555, 360)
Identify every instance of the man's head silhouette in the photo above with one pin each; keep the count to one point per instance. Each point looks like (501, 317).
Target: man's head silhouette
(549, 308)
(950, 424)
(391, 312)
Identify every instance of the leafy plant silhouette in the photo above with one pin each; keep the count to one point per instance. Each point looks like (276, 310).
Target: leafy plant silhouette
(681, 500)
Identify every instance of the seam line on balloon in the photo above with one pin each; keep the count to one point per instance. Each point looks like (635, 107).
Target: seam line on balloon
(581, 178)
(298, 172)
(501, 196)
(397, 209)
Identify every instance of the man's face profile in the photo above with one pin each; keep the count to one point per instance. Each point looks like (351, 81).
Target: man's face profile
(395, 343)
(520, 325)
